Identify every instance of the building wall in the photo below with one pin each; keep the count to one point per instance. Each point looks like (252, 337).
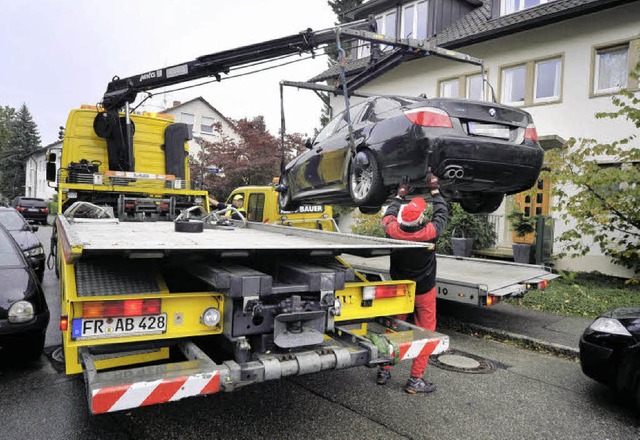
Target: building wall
(573, 116)
(198, 108)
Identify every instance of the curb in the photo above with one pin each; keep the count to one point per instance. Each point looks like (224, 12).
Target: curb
(527, 341)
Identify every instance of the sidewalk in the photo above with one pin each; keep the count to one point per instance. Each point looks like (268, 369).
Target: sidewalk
(558, 334)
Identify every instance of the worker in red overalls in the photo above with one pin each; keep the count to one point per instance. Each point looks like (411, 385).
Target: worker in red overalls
(408, 223)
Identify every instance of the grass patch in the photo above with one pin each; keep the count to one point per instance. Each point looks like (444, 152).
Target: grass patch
(586, 295)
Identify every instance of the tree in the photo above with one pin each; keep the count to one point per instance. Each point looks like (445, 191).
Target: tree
(19, 138)
(598, 198)
(252, 157)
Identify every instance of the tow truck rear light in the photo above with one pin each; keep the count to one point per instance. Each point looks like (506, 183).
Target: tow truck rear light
(64, 323)
(429, 117)
(543, 284)
(530, 133)
(390, 291)
(492, 300)
(129, 307)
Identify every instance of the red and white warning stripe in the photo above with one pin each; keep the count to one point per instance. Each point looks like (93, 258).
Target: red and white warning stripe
(133, 395)
(427, 347)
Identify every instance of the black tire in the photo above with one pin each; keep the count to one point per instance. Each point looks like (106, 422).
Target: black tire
(365, 182)
(284, 197)
(369, 209)
(477, 203)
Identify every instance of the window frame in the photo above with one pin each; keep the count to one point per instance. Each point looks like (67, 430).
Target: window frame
(521, 8)
(530, 81)
(182, 114)
(209, 127)
(560, 79)
(415, 20)
(595, 65)
(463, 84)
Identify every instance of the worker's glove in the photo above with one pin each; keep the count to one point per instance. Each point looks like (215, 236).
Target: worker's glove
(403, 190)
(432, 182)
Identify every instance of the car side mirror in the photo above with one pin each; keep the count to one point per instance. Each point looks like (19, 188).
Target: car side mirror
(308, 142)
(34, 228)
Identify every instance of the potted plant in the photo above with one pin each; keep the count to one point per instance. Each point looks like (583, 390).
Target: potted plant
(521, 225)
(465, 232)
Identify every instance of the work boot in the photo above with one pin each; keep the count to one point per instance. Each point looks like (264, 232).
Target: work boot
(419, 385)
(383, 377)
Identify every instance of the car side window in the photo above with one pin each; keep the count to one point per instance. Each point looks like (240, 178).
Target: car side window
(384, 105)
(255, 210)
(355, 113)
(328, 129)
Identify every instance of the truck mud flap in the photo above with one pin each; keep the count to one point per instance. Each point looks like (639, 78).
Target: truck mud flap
(149, 385)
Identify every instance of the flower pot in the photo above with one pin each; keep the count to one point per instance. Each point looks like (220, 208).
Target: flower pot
(462, 247)
(522, 253)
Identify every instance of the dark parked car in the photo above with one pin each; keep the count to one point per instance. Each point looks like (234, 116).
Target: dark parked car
(32, 209)
(23, 234)
(24, 314)
(480, 151)
(610, 351)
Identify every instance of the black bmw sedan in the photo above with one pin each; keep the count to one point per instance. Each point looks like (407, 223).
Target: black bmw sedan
(24, 314)
(610, 351)
(479, 150)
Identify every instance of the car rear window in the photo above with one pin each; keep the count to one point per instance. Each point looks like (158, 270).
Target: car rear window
(8, 254)
(31, 202)
(12, 220)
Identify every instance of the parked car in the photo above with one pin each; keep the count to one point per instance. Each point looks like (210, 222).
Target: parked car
(480, 151)
(24, 314)
(32, 209)
(23, 234)
(610, 351)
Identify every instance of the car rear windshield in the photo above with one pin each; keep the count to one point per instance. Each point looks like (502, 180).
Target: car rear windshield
(31, 202)
(8, 254)
(12, 220)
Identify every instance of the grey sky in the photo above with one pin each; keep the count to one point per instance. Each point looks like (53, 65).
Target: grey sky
(57, 55)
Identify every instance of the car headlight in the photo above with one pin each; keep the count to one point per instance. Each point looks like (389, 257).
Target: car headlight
(34, 252)
(22, 311)
(609, 325)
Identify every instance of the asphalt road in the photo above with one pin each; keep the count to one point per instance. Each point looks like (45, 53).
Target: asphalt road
(528, 395)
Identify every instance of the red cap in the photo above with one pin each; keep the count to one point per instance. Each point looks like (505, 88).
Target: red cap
(411, 213)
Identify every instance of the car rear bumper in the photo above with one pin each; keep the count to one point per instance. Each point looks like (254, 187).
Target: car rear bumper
(35, 216)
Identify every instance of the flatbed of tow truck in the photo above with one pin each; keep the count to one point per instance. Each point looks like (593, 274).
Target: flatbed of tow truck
(475, 281)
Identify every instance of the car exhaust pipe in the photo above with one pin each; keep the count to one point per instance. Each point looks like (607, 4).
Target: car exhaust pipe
(454, 172)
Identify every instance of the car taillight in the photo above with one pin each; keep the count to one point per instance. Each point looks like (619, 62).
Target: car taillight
(389, 291)
(429, 117)
(45, 210)
(129, 307)
(20, 208)
(530, 133)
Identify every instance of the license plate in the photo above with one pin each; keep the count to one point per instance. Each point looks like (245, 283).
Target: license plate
(95, 328)
(33, 210)
(490, 130)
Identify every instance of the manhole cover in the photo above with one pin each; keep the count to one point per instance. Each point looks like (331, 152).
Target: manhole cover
(461, 362)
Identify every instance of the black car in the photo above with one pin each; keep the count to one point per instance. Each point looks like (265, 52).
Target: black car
(23, 234)
(32, 209)
(479, 150)
(24, 314)
(610, 351)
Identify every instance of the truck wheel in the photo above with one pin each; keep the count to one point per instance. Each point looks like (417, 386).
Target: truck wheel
(476, 203)
(369, 209)
(365, 181)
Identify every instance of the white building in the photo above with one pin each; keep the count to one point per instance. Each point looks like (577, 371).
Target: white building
(560, 60)
(201, 117)
(36, 184)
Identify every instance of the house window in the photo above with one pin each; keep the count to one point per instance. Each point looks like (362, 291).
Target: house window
(188, 118)
(474, 87)
(611, 70)
(386, 24)
(513, 85)
(547, 80)
(206, 125)
(450, 88)
(414, 20)
(512, 6)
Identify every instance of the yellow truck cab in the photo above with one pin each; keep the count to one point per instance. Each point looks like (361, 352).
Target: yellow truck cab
(261, 205)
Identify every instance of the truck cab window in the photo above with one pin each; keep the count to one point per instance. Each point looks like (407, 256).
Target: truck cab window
(255, 210)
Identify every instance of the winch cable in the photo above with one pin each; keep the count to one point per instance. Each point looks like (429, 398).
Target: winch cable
(342, 62)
